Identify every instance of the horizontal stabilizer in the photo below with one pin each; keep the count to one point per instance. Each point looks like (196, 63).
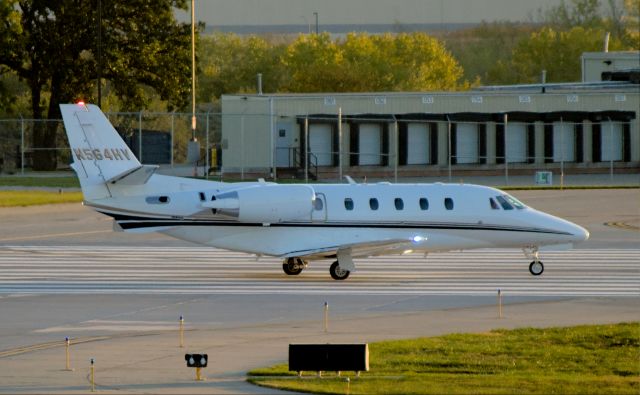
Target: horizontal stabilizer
(136, 176)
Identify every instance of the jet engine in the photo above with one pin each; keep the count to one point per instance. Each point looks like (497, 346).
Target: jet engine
(265, 203)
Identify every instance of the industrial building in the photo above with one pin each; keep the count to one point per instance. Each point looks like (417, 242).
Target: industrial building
(586, 127)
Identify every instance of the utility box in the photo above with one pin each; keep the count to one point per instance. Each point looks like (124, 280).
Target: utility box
(328, 357)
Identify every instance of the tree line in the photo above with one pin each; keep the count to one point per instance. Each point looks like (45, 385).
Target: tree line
(49, 55)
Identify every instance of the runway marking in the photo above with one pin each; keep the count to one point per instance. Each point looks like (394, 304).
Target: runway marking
(202, 270)
(55, 235)
(623, 225)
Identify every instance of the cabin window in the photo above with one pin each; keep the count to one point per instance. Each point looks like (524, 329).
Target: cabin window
(373, 203)
(503, 202)
(318, 205)
(424, 204)
(399, 204)
(348, 204)
(448, 203)
(202, 198)
(494, 205)
(157, 199)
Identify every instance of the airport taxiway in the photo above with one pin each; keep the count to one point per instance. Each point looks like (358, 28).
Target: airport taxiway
(64, 273)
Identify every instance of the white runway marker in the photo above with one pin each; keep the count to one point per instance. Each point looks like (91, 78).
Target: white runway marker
(174, 270)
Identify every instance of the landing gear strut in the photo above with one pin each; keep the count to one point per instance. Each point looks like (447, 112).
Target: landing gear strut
(536, 267)
(338, 273)
(293, 266)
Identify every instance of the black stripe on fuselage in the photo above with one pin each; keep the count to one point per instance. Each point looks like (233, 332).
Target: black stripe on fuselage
(131, 222)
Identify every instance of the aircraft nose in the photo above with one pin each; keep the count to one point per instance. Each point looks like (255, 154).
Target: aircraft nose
(580, 233)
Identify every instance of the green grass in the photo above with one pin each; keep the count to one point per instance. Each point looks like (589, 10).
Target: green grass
(597, 359)
(33, 198)
(55, 182)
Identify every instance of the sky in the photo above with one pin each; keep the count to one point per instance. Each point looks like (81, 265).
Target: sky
(299, 12)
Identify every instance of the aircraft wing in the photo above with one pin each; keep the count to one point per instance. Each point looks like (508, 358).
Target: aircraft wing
(359, 249)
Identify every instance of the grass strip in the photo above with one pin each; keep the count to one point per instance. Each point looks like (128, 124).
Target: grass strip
(54, 182)
(34, 198)
(596, 359)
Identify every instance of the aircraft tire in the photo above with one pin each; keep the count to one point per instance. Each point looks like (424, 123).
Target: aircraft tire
(337, 273)
(293, 266)
(536, 268)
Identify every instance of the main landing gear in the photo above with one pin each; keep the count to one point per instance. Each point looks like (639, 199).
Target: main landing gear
(536, 267)
(337, 273)
(293, 266)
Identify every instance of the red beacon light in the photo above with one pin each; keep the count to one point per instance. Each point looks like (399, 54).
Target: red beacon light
(80, 103)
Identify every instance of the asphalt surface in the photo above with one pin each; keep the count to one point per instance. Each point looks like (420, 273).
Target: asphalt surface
(119, 296)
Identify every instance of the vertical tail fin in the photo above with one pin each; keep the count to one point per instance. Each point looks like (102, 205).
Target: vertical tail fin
(100, 156)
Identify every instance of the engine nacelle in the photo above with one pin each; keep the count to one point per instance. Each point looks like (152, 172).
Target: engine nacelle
(266, 203)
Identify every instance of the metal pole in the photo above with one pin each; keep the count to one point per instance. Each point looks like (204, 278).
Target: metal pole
(339, 144)
(271, 138)
(449, 145)
(100, 53)
(316, 15)
(140, 135)
(395, 150)
(610, 149)
(67, 356)
(193, 70)
(21, 145)
(93, 376)
(181, 331)
(242, 149)
(561, 154)
(506, 150)
(306, 149)
(499, 303)
(207, 165)
(326, 317)
(173, 118)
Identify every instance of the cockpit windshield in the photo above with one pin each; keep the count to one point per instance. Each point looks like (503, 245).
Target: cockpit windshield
(515, 202)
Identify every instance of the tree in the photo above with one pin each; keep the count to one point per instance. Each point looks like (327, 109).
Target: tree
(557, 52)
(230, 63)
(52, 46)
(366, 63)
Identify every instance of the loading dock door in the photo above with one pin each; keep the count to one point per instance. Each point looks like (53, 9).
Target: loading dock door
(467, 143)
(418, 147)
(564, 142)
(370, 144)
(320, 143)
(517, 142)
(611, 141)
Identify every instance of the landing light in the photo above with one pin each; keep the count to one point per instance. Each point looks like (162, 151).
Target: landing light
(418, 239)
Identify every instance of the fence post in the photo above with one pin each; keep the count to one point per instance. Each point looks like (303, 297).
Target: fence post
(207, 165)
(449, 146)
(140, 136)
(173, 120)
(506, 150)
(306, 149)
(339, 144)
(21, 145)
(242, 150)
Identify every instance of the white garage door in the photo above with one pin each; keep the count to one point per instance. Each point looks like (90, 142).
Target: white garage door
(611, 141)
(320, 143)
(516, 142)
(564, 142)
(418, 144)
(467, 143)
(370, 144)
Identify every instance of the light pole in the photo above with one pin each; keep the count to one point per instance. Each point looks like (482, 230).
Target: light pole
(316, 15)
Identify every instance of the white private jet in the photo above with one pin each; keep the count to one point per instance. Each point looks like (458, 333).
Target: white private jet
(305, 222)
